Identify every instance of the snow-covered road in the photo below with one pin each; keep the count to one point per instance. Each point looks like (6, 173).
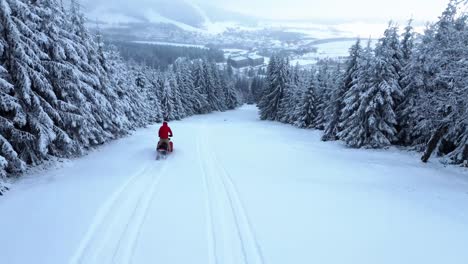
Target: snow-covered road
(238, 190)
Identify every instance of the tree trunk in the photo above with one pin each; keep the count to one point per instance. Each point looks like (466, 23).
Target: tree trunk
(432, 144)
(465, 156)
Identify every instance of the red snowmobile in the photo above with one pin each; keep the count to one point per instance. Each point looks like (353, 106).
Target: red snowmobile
(164, 149)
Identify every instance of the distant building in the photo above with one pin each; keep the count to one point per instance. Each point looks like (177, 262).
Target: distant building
(242, 62)
(256, 60)
(239, 62)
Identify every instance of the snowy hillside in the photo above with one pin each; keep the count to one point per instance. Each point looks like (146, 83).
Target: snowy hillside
(275, 194)
(186, 15)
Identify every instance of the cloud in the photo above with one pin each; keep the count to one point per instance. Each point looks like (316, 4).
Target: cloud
(368, 10)
(338, 9)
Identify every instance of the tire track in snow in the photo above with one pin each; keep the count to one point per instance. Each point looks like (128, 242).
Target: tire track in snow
(117, 223)
(102, 215)
(127, 243)
(238, 238)
(249, 239)
(213, 258)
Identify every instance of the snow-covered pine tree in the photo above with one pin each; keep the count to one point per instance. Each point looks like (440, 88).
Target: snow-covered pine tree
(132, 100)
(211, 90)
(336, 75)
(256, 87)
(199, 101)
(69, 107)
(407, 43)
(369, 118)
(301, 82)
(324, 88)
(274, 90)
(353, 120)
(287, 103)
(444, 98)
(307, 110)
(221, 84)
(146, 83)
(332, 127)
(411, 84)
(95, 80)
(292, 96)
(177, 107)
(199, 78)
(185, 84)
(167, 103)
(11, 115)
(22, 59)
(232, 96)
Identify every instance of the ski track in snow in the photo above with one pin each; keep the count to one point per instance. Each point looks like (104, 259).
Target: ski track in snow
(230, 236)
(115, 230)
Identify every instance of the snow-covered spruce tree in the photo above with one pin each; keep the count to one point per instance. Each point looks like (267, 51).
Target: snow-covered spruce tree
(73, 117)
(3, 165)
(185, 84)
(243, 89)
(287, 106)
(369, 118)
(411, 83)
(211, 90)
(221, 87)
(167, 103)
(332, 127)
(353, 120)
(443, 100)
(288, 112)
(274, 90)
(307, 110)
(407, 43)
(256, 87)
(96, 81)
(198, 100)
(177, 107)
(200, 83)
(146, 82)
(132, 100)
(325, 86)
(232, 96)
(336, 81)
(11, 115)
(22, 59)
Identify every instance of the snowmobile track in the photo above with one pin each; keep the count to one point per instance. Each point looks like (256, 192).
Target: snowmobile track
(211, 237)
(231, 237)
(114, 232)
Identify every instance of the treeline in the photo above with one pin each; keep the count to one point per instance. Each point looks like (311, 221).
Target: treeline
(62, 92)
(162, 56)
(402, 92)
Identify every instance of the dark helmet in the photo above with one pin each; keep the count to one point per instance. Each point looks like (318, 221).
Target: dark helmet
(165, 123)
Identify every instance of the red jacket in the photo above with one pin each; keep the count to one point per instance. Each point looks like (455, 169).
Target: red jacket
(165, 131)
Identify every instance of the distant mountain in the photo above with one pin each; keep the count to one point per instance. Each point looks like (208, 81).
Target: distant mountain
(183, 14)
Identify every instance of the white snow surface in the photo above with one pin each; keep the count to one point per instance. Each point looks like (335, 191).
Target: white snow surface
(238, 190)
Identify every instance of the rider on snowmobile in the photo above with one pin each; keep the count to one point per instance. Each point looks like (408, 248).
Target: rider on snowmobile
(165, 133)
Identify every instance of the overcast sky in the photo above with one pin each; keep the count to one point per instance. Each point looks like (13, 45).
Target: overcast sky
(369, 10)
(337, 9)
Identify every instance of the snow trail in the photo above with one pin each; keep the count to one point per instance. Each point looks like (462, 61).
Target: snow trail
(115, 230)
(211, 236)
(249, 247)
(238, 191)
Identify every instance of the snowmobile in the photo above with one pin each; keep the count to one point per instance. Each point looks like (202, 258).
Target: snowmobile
(163, 150)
